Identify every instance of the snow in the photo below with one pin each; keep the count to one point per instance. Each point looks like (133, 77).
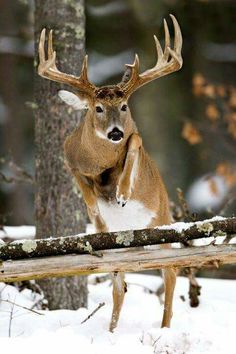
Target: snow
(209, 328)
(182, 226)
(18, 232)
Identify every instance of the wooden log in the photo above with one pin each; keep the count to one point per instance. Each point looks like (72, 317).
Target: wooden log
(114, 240)
(126, 260)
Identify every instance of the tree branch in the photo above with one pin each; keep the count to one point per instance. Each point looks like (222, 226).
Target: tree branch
(123, 239)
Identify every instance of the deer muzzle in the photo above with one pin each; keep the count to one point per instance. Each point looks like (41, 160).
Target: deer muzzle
(115, 134)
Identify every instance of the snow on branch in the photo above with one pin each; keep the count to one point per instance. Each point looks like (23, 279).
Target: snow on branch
(92, 244)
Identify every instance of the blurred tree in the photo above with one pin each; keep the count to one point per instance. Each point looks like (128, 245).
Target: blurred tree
(59, 207)
(16, 128)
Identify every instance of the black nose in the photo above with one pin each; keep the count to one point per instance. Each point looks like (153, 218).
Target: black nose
(115, 135)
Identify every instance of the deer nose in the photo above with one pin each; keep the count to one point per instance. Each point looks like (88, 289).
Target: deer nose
(115, 134)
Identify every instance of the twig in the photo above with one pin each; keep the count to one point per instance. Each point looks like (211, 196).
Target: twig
(16, 179)
(20, 175)
(10, 319)
(187, 216)
(93, 313)
(2, 290)
(23, 307)
(21, 172)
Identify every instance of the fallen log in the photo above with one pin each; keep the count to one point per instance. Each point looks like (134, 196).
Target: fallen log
(81, 244)
(126, 260)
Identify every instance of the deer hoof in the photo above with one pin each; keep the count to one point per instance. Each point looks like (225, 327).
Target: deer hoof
(121, 199)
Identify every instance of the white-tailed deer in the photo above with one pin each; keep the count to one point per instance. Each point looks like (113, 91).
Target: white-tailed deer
(120, 183)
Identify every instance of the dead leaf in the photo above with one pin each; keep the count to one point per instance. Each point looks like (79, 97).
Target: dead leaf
(209, 91)
(232, 129)
(198, 84)
(213, 186)
(232, 99)
(198, 80)
(191, 134)
(212, 112)
(228, 172)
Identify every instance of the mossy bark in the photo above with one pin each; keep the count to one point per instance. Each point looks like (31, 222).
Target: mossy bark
(113, 240)
(59, 206)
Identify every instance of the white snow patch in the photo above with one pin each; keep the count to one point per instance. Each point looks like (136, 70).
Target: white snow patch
(182, 226)
(18, 232)
(209, 328)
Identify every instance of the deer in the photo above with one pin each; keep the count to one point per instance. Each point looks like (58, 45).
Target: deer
(120, 183)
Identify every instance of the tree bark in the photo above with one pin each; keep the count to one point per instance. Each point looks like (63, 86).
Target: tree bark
(113, 240)
(59, 206)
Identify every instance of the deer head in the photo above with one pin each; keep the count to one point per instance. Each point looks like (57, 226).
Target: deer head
(108, 105)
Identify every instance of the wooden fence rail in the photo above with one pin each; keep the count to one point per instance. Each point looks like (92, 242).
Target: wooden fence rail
(116, 251)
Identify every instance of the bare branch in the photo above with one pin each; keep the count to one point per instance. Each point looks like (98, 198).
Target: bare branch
(20, 175)
(23, 307)
(93, 312)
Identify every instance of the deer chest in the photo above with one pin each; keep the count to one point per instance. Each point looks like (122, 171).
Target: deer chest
(134, 215)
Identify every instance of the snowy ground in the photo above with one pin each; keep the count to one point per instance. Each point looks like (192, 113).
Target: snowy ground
(210, 328)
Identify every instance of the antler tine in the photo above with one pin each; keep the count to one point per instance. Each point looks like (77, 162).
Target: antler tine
(133, 76)
(51, 53)
(47, 68)
(84, 71)
(178, 35)
(158, 49)
(167, 62)
(41, 46)
(134, 67)
(167, 41)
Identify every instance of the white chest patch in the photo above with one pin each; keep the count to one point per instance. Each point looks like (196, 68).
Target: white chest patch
(132, 216)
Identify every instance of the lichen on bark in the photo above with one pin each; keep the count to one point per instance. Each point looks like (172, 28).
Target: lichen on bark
(125, 238)
(29, 246)
(206, 227)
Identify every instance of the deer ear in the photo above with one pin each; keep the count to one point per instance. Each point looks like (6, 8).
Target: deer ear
(73, 100)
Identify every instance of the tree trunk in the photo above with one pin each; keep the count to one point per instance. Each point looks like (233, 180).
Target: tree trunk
(59, 206)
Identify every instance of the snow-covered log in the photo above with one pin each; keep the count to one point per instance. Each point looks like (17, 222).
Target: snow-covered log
(178, 232)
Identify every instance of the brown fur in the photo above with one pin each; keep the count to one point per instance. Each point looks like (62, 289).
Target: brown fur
(102, 168)
(122, 171)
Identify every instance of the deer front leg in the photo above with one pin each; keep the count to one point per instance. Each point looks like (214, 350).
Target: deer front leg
(128, 175)
(91, 201)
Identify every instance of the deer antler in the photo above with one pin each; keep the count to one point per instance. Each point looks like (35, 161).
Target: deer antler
(47, 68)
(163, 67)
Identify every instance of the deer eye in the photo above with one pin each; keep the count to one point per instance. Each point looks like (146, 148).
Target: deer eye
(124, 107)
(99, 109)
